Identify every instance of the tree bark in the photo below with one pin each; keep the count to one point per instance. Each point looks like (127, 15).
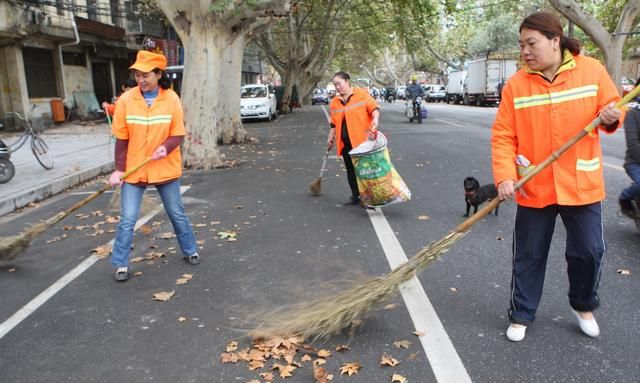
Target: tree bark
(610, 44)
(214, 39)
(228, 91)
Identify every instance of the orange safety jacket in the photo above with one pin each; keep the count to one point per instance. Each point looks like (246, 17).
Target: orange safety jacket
(536, 117)
(146, 128)
(357, 110)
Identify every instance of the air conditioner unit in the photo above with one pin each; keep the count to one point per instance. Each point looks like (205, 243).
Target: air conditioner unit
(36, 16)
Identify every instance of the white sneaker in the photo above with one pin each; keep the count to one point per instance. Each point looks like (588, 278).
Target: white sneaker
(588, 326)
(515, 333)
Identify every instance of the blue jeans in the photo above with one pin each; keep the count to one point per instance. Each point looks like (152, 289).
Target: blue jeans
(584, 250)
(131, 197)
(633, 191)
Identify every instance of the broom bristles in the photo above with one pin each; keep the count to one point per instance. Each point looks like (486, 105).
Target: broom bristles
(11, 247)
(328, 315)
(316, 186)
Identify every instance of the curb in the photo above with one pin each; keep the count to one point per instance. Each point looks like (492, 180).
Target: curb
(39, 193)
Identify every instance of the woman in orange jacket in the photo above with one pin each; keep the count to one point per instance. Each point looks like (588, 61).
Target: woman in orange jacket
(148, 123)
(354, 118)
(555, 95)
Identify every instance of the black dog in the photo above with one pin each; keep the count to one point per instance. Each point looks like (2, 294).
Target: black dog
(474, 194)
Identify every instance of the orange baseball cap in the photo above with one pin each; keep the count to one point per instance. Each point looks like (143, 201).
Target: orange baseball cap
(147, 61)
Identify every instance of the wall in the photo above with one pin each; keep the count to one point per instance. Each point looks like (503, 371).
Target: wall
(77, 78)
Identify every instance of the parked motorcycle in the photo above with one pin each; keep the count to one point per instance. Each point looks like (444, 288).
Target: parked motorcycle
(414, 109)
(7, 171)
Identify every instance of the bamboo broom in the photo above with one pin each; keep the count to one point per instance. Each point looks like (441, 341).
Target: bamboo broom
(315, 187)
(11, 247)
(324, 316)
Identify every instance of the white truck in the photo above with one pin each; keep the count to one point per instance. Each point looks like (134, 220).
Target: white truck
(486, 76)
(455, 86)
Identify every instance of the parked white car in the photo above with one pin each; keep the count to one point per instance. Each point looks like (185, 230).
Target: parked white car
(258, 101)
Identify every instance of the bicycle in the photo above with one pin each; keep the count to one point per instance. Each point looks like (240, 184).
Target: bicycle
(39, 148)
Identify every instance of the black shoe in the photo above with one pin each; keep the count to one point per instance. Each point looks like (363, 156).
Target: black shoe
(353, 201)
(192, 259)
(122, 274)
(626, 208)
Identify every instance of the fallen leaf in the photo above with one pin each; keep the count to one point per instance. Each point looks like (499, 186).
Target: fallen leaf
(181, 319)
(499, 239)
(391, 306)
(413, 356)
(320, 374)
(268, 376)
(324, 353)
(397, 378)
(285, 370)
(146, 230)
(623, 272)
(453, 289)
(402, 343)
(254, 381)
(229, 357)
(232, 346)
(238, 207)
(350, 368)
(163, 296)
(229, 235)
(153, 255)
(12, 270)
(255, 364)
(137, 273)
(182, 281)
(200, 225)
(319, 362)
(111, 219)
(388, 360)
(101, 251)
(137, 259)
(306, 358)
(168, 235)
(418, 333)
(67, 227)
(342, 347)
(423, 217)
(82, 216)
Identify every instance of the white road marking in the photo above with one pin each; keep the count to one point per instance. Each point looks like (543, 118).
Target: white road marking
(449, 122)
(43, 297)
(445, 361)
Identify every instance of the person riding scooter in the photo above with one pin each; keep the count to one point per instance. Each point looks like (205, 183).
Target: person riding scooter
(415, 94)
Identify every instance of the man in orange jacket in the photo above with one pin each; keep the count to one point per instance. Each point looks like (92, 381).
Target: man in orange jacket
(544, 104)
(354, 118)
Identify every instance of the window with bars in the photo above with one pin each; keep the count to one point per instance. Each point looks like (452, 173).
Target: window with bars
(40, 73)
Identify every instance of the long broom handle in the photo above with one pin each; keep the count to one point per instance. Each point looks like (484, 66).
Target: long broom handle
(95, 194)
(464, 226)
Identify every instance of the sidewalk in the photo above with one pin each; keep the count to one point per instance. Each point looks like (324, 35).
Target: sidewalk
(79, 154)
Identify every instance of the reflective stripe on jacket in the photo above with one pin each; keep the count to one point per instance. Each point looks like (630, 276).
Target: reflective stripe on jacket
(536, 117)
(147, 128)
(357, 110)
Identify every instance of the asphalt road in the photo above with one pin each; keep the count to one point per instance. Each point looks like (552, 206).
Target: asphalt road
(291, 247)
